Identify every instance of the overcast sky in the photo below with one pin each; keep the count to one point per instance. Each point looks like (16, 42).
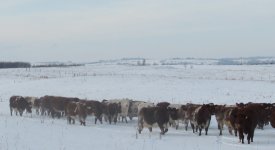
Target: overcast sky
(84, 30)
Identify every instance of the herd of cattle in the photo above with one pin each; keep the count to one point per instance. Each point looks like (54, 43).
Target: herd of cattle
(240, 118)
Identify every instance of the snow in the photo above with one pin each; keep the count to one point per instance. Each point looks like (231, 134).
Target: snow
(174, 83)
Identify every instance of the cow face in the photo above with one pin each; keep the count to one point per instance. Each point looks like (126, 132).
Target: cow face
(173, 112)
(29, 107)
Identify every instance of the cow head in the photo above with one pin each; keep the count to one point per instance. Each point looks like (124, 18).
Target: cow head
(26, 104)
(211, 108)
(173, 113)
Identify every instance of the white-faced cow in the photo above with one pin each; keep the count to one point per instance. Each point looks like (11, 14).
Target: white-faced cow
(19, 104)
(76, 110)
(201, 117)
(148, 116)
(35, 102)
(181, 116)
(133, 109)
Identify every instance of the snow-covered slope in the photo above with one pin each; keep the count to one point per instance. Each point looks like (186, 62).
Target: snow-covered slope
(174, 83)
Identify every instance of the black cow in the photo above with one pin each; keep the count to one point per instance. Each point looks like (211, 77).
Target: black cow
(94, 108)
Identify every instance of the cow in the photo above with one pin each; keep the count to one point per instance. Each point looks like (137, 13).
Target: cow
(264, 112)
(247, 120)
(190, 114)
(111, 111)
(94, 108)
(19, 104)
(181, 116)
(35, 102)
(124, 108)
(220, 114)
(148, 116)
(230, 119)
(76, 110)
(133, 109)
(201, 117)
(55, 105)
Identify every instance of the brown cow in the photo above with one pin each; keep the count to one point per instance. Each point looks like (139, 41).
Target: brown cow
(230, 119)
(190, 114)
(19, 104)
(247, 120)
(56, 105)
(148, 116)
(264, 112)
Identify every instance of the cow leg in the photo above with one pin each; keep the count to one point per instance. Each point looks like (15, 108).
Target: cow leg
(126, 120)
(241, 136)
(200, 131)
(166, 128)
(105, 118)
(100, 119)
(186, 125)
(11, 110)
(177, 124)
(248, 137)
(221, 127)
(230, 130)
(161, 128)
(110, 119)
(115, 119)
(206, 130)
(83, 123)
(193, 127)
(235, 131)
(59, 114)
(252, 135)
(95, 120)
(140, 124)
(52, 114)
(20, 113)
(69, 120)
(150, 129)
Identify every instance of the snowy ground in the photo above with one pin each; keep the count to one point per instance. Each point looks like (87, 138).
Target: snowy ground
(176, 84)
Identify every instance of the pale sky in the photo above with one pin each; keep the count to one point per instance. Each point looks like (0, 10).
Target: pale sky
(84, 30)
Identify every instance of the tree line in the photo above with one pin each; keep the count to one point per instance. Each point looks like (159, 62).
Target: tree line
(15, 65)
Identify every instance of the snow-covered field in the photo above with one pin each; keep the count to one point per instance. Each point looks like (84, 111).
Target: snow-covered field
(176, 84)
